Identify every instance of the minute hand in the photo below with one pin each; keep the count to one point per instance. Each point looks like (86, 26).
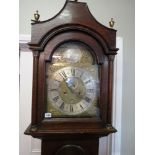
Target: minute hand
(75, 89)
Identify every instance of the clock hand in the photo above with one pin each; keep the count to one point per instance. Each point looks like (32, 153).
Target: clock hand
(74, 88)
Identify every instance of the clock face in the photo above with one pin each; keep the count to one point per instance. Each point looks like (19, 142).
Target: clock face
(71, 90)
(72, 82)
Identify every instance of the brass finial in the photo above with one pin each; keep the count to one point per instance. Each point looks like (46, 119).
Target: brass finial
(112, 23)
(36, 17)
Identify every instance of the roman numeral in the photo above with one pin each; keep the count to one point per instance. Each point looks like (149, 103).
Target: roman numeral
(87, 99)
(81, 106)
(55, 99)
(63, 75)
(81, 75)
(73, 72)
(62, 106)
(86, 82)
(90, 90)
(71, 108)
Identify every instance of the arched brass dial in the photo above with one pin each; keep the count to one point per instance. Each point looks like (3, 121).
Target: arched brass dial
(72, 82)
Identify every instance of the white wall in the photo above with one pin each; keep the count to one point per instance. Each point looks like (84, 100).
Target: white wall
(123, 13)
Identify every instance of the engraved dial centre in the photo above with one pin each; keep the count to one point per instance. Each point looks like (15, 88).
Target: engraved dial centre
(72, 90)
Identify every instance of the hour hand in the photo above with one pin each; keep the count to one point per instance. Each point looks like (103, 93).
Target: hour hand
(74, 87)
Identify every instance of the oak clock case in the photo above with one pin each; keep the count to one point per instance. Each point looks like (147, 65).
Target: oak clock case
(73, 59)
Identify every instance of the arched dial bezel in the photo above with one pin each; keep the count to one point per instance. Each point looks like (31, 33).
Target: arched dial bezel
(72, 61)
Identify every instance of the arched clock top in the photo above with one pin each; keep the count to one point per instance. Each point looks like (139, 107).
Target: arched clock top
(73, 28)
(70, 18)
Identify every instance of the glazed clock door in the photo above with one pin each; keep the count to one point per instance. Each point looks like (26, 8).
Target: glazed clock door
(72, 82)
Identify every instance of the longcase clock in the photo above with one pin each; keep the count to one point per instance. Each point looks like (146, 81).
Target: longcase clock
(73, 58)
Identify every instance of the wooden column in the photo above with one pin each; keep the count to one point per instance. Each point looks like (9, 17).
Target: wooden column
(34, 90)
(110, 88)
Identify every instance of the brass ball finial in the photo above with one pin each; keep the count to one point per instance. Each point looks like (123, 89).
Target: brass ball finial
(36, 17)
(112, 23)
